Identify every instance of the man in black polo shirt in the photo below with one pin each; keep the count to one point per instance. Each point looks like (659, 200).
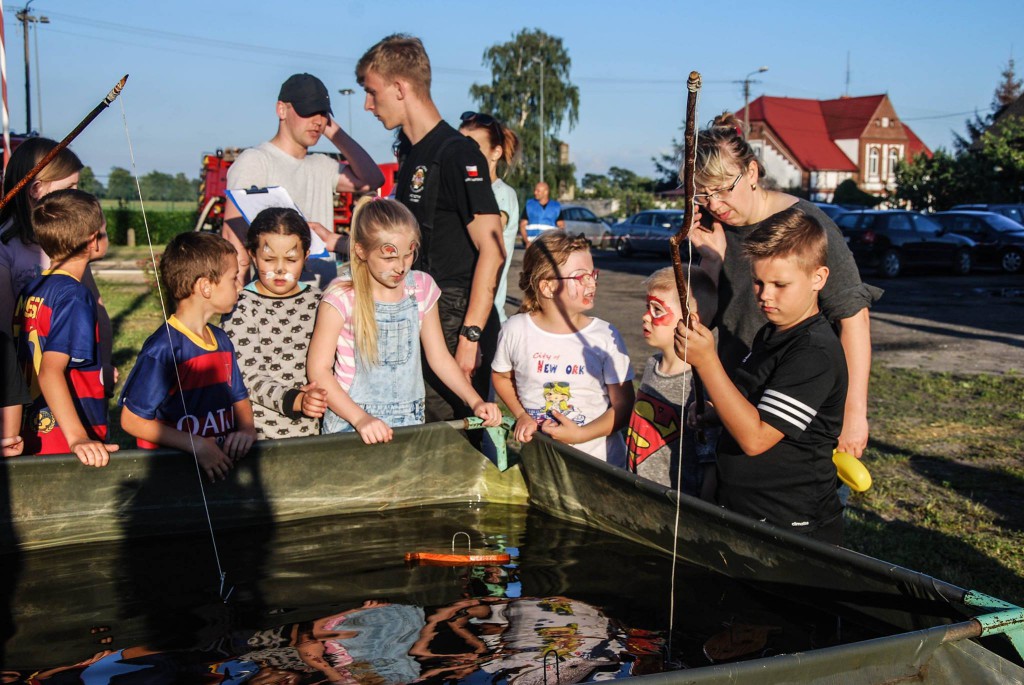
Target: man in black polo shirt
(785, 412)
(444, 181)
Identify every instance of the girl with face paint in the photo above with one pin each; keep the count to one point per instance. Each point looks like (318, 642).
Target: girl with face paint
(558, 369)
(365, 350)
(271, 325)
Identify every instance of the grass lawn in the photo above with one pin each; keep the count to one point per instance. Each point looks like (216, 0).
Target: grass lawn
(945, 457)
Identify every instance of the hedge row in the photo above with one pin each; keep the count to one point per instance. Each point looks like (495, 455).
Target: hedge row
(162, 225)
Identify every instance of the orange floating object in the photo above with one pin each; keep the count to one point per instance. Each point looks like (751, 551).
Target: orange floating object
(455, 559)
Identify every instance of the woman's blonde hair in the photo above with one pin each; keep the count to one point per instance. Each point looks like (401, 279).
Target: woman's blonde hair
(373, 216)
(720, 146)
(543, 257)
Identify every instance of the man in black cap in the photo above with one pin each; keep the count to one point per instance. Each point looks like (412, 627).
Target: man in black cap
(304, 114)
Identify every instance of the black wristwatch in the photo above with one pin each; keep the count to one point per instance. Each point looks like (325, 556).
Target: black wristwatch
(471, 333)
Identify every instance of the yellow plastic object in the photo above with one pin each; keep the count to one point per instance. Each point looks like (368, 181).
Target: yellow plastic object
(851, 471)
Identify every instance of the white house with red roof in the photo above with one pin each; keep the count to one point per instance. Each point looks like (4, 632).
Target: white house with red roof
(817, 144)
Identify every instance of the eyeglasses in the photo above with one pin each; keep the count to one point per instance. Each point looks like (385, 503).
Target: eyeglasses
(704, 199)
(579, 278)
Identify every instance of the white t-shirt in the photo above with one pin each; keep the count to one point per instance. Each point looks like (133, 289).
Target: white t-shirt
(310, 181)
(568, 372)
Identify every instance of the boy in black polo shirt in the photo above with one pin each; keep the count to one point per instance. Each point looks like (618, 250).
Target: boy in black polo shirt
(785, 412)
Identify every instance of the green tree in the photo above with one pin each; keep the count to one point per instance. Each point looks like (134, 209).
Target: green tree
(1002, 151)
(847, 193)
(1009, 88)
(121, 185)
(157, 185)
(666, 167)
(930, 182)
(184, 188)
(513, 96)
(631, 190)
(88, 182)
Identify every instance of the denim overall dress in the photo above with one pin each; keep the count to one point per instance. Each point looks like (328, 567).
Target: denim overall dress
(392, 391)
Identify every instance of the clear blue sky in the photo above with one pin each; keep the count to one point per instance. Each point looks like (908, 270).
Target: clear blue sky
(206, 74)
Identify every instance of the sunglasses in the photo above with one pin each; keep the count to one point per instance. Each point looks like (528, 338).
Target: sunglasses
(478, 118)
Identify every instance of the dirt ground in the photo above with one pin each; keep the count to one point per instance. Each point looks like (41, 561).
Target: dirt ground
(927, 321)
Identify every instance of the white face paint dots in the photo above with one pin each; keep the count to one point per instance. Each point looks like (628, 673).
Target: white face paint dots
(279, 262)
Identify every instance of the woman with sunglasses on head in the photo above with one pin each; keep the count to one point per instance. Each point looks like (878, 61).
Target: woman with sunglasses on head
(728, 176)
(498, 144)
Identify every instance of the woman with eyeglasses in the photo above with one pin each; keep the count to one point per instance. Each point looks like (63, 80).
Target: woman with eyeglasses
(499, 144)
(730, 193)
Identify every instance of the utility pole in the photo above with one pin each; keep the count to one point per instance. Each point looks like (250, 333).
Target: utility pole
(25, 18)
(746, 97)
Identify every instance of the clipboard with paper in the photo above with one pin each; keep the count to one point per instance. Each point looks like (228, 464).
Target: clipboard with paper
(251, 201)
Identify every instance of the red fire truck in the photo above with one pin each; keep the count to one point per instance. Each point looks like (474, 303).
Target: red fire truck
(213, 183)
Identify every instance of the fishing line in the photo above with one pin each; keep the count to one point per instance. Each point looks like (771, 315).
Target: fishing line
(688, 387)
(181, 392)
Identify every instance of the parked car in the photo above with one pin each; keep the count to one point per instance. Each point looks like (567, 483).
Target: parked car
(830, 210)
(998, 241)
(647, 231)
(893, 240)
(582, 220)
(1007, 209)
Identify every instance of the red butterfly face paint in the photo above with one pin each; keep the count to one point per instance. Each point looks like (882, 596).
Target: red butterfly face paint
(661, 314)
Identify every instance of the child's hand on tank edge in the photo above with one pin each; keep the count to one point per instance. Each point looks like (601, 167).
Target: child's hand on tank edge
(93, 452)
(372, 430)
(238, 443)
(488, 411)
(212, 459)
(12, 446)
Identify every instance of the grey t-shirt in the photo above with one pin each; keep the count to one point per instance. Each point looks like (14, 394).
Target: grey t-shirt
(739, 318)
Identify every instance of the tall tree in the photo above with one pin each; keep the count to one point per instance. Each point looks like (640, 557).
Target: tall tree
(88, 182)
(1009, 88)
(513, 96)
(121, 185)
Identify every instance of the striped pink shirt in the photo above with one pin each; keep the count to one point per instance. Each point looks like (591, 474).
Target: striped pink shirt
(340, 295)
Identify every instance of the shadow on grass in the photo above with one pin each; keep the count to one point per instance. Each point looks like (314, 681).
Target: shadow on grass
(948, 331)
(1001, 492)
(912, 546)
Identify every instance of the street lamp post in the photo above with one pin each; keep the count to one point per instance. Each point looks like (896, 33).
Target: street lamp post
(348, 92)
(540, 63)
(746, 98)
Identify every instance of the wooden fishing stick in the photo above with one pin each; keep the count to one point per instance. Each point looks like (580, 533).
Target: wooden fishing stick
(693, 85)
(111, 96)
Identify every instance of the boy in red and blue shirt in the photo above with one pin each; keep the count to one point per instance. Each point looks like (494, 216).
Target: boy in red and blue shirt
(186, 390)
(57, 334)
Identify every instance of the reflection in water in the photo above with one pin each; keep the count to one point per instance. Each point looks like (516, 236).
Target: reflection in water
(331, 601)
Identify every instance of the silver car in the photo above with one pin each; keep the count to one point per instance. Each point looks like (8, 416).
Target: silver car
(582, 220)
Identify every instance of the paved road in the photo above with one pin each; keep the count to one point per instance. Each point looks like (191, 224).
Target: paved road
(930, 321)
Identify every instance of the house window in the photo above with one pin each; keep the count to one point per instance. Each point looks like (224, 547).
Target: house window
(873, 159)
(894, 159)
(885, 122)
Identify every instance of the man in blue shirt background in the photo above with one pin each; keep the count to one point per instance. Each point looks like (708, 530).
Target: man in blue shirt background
(539, 212)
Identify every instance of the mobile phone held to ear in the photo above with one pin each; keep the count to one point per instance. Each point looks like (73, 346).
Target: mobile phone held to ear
(706, 221)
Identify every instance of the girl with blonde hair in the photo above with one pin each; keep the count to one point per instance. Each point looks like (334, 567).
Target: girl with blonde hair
(370, 325)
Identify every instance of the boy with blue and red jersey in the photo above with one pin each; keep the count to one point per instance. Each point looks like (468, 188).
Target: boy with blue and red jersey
(58, 337)
(186, 390)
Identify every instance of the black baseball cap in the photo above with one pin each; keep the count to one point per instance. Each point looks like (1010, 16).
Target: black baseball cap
(307, 94)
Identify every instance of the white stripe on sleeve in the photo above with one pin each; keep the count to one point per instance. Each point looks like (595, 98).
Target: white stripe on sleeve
(786, 408)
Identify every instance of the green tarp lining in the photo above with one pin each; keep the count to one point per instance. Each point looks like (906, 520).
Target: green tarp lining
(55, 501)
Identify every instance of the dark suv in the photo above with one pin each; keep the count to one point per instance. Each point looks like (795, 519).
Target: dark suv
(998, 241)
(1007, 209)
(892, 240)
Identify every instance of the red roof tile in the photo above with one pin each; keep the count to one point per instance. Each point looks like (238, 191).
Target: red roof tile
(915, 145)
(800, 124)
(848, 117)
